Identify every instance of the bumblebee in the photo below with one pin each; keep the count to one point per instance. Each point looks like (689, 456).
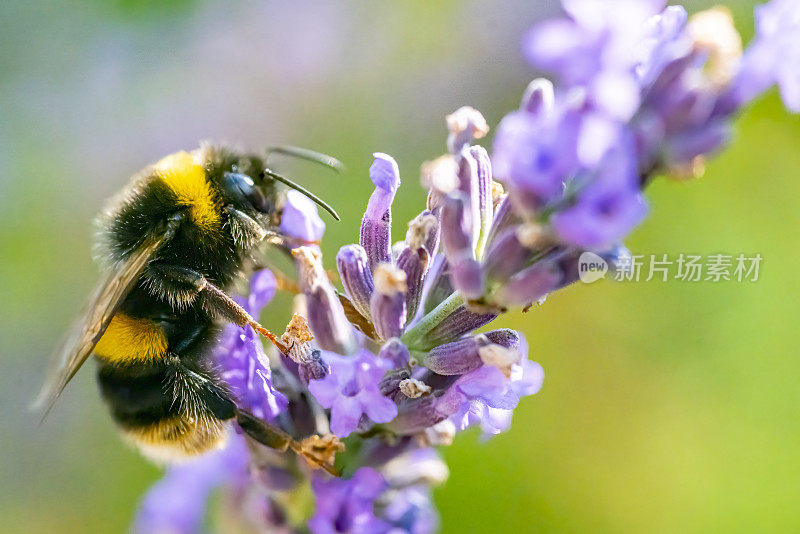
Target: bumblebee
(174, 241)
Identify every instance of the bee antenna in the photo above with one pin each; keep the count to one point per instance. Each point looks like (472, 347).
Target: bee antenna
(308, 155)
(324, 205)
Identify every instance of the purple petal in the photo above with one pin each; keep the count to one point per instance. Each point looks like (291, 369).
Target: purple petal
(379, 409)
(177, 503)
(345, 415)
(300, 218)
(262, 288)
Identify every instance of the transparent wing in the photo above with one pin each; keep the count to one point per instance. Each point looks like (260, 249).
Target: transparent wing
(92, 323)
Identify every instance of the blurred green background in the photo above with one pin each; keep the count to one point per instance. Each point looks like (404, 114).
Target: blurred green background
(667, 407)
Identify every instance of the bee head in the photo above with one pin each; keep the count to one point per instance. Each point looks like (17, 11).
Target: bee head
(247, 194)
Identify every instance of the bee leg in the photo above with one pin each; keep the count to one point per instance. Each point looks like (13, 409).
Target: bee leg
(177, 284)
(275, 438)
(221, 303)
(182, 284)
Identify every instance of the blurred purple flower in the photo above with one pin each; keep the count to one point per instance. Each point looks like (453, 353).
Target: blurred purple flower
(176, 504)
(347, 505)
(609, 206)
(774, 55)
(593, 49)
(536, 153)
(300, 218)
(240, 355)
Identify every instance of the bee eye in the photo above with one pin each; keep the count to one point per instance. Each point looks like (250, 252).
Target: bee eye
(242, 188)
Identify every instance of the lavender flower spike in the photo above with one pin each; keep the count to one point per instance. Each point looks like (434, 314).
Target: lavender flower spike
(376, 224)
(325, 313)
(401, 363)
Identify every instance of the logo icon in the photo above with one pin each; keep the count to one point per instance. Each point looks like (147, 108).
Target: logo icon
(591, 267)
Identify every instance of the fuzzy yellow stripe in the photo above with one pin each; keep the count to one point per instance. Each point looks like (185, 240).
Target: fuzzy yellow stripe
(187, 179)
(129, 339)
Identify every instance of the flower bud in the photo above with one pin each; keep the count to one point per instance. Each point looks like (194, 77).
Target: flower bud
(530, 284)
(539, 97)
(415, 416)
(326, 316)
(414, 263)
(456, 233)
(390, 384)
(313, 368)
(483, 192)
(468, 186)
(395, 351)
(504, 216)
(437, 283)
(505, 337)
(464, 355)
(508, 254)
(457, 357)
(356, 277)
(376, 224)
(455, 325)
(467, 276)
(388, 304)
(465, 125)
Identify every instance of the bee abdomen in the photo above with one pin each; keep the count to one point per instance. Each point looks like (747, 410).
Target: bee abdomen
(132, 339)
(167, 413)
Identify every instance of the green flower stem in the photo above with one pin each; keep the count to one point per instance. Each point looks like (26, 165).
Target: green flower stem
(413, 338)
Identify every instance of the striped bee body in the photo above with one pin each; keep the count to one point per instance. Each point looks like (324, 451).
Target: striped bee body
(154, 370)
(174, 241)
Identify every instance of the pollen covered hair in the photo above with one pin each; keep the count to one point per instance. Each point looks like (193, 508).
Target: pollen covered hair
(130, 339)
(185, 176)
(178, 438)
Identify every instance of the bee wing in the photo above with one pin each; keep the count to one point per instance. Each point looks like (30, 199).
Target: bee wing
(92, 323)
